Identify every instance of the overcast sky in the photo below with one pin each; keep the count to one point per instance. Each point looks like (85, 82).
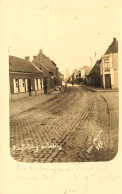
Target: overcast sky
(68, 31)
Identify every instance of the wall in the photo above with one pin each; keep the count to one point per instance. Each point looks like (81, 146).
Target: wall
(13, 97)
(113, 70)
(50, 90)
(23, 91)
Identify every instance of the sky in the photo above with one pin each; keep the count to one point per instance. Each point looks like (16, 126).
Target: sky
(68, 31)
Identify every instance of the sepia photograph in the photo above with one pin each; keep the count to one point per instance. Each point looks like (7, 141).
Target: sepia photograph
(63, 81)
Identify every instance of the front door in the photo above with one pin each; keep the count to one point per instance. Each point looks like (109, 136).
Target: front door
(29, 87)
(108, 81)
(45, 85)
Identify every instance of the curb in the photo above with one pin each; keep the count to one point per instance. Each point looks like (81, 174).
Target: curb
(99, 91)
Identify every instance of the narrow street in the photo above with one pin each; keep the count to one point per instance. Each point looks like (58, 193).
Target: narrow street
(74, 126)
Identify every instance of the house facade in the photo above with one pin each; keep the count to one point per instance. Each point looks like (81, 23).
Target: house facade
(109, 66)
(25, 79)
(79, 75)
(50, 72)
(93, 78)
(85, 71)
(61, 77)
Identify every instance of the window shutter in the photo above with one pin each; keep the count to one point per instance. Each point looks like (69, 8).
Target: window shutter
(39, 86)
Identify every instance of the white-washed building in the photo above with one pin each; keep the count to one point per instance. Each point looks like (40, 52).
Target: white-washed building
(25, 78)
(109, 66)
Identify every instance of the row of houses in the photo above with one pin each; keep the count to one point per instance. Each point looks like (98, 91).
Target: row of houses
(105, 71)
(103, 74)
(31, 78)
(79, 75)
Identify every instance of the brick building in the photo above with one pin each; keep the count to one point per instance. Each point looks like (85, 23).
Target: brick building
(109, 66)
(50, 71)
(25, 78)
(93, 78)
(61, 77)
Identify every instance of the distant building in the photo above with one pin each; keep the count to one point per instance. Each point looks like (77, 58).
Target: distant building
(61, 77)
(79, 75)
(75, 74)
(67, 75)
(93, 78)
(85, 71)
(25, 78)
(109, 66)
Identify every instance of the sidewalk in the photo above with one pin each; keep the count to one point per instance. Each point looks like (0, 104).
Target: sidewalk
(112, 99)
(94, 89)
(111, 96)
(19, 106)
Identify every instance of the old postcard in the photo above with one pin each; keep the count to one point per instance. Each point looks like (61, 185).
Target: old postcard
(63, 59)
(63, 82)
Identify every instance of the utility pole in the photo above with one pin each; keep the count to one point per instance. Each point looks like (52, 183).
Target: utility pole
(91, 61)
(95, 57)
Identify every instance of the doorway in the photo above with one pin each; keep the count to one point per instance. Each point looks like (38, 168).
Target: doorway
(108, 81)
(45, 85)
(29, 87)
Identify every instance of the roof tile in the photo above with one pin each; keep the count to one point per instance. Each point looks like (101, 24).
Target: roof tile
(113, 48)
(22, 65)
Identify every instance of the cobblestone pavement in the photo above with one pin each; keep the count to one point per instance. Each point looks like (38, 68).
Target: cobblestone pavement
(112, 99)
(22, 105)
(72, 127)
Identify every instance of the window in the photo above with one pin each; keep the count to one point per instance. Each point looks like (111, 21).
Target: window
(16, 86)
(23, 83)
(16, 83)
(36, 84)
(26, 85)
(41, 83)
(107, 64)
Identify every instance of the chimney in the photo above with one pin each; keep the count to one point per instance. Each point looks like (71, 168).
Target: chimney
(40, 54)
(34, 57)
(40, 51)
(27, 58)
(114, 39)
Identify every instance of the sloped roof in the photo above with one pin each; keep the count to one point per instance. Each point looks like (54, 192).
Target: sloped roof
(96, 68)
(22, 65)
(113, 48)
(50, 65)
(41, 66)
(60, 74)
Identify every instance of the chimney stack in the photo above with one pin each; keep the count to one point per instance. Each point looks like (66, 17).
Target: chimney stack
(34, 57)
(114, 39)
(40, 51)
(27, 58)
(40, 54)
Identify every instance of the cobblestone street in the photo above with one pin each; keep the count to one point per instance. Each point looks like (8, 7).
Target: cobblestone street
(75, 126)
